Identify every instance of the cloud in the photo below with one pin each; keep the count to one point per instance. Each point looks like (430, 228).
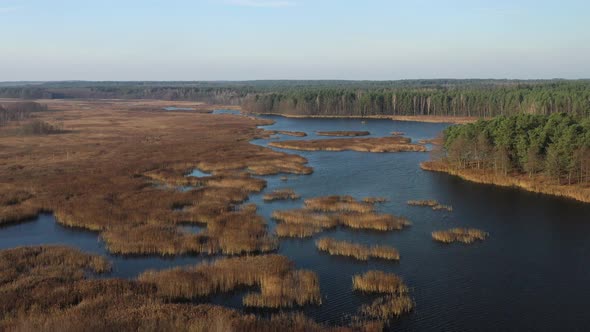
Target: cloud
(262, 3)
(8, 9)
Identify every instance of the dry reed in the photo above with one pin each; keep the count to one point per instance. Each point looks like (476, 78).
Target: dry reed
(281, 194)
(351, 133)
(337, 204)
(364, 144)
(297, 230)
(464, 235)
(379, 282)
(357, 251)
(375, 200)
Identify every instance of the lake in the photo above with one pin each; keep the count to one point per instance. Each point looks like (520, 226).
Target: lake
(530, 274)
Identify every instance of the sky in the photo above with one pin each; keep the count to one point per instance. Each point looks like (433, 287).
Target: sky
(44, 40)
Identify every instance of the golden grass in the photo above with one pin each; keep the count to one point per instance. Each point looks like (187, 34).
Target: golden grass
(379, 282)
(337, 204)
(537, 184)
(351, 133)
(464, 235)
(281, 194)
(365, 144)
(280, 285)
(357, 251)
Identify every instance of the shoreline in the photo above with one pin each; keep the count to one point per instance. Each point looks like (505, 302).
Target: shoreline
(408, 118)
(535, 185)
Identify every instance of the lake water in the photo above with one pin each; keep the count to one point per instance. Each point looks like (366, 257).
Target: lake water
(530, 274)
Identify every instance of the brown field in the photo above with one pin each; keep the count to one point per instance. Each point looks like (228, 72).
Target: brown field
(538, 183)
(464, 235)
(114, 169)
(281, 194)
(364, 144)
(46, 289)
(357, 251)
(379, 282)
(343, 133)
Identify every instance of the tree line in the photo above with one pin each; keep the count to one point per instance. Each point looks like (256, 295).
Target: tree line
(557, 145)
(476, 98)
(19, 111)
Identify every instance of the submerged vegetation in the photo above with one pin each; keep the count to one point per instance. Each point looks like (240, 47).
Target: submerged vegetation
(364, 144)
(464, 235)
(357, 251)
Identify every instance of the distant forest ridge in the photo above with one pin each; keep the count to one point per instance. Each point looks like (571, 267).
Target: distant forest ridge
(437, 97)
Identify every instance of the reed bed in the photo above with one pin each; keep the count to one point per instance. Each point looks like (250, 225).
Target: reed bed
(387, 307)
(297, 288)
(375, 200)
(373, 221)
(292, 133)
(297, 230)
(379, 282)
(434, 204)
(463, 235)
(350, 133)
(537, 184)
(363, 144)
(46, 289)
(357, 251)
(397, 133)
(280, 285)
(305, 217)
(281, 194)
(337, 204)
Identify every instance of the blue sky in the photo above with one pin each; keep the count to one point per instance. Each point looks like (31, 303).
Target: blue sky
(293, 39)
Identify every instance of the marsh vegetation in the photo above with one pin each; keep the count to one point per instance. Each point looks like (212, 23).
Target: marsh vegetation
(364, 144)
(350, 133)
(463, 235)
(355, 250)
(281, 194)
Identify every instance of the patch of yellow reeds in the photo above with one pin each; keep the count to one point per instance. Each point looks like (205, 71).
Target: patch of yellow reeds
(355, 250)
(464, 235)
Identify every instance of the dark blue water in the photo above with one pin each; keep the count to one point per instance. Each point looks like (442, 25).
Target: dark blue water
(531, 274)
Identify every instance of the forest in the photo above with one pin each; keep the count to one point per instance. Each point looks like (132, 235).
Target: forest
(557, 146)
(474, 98)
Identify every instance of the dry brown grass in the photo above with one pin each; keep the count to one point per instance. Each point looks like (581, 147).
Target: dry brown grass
(281, 194)
(537, 184)
(365, 144)
(464, 235)
(305, 217)
(280, 285)
(357, 251)
(351, 133)
(379, 282)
